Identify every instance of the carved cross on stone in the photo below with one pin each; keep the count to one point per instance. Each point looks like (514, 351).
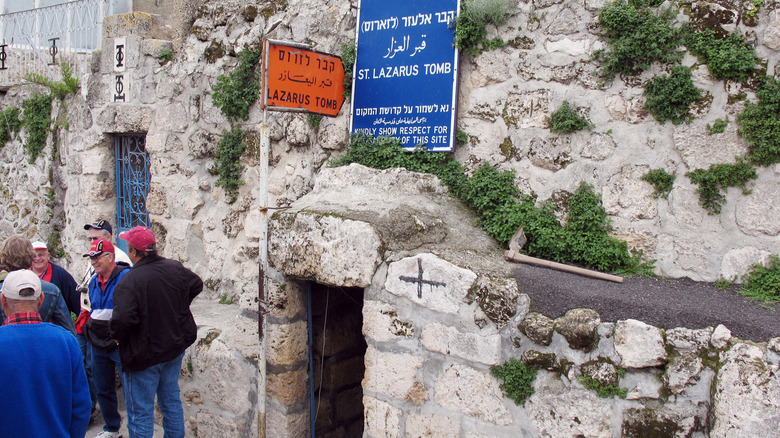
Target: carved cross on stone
(419, 279)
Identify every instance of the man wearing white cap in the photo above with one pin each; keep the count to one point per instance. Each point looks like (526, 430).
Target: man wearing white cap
(45, 391)
(57, 275)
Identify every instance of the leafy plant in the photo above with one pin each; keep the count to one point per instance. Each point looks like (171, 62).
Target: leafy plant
(603, 391)
(225, 299)
(348, 57)
(717, 179)
(670, 97)
(313, 120)
(567, 119)
(723, 284)
(728, 58)
(719, 126)
(760, 124)
(500, 209)
(60, 89)
(10, 124)
(237, 91)
(518, 379)
(470, 30)
(636, 38)
(165, 56)
(37, 119)
(763, 282)
(461, 137)
(54, 243)
(661, 181)
(227, 162)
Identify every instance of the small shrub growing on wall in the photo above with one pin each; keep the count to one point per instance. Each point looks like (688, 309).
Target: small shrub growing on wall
(763, 282)
(227, 162)
(237, 91)
(728, 58)
(60, 89)
(714, 181)
(37, 120)
(566, 119)
(348, 57)
(636, 36)
(760, 125)
(470, 31)
(10, 124)
(661, 181)
(518, 379)
(669, 97)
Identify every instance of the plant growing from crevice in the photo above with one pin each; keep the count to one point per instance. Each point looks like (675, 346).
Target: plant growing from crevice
(461, 137)
(54, 244)
(227, 162)
(714, 182)
(165, 56)
(604, 391)
(518, 379)
(470, 25)
(661, 181)
(759, 124)
(728, 58)
(636, 36)
(236, 92)
(36, 118)
(225, 299)
(10, 124)
(313, 120)
(669, 97)
(762, 282)
(566, 119)
(501, 211)
(348, 57)
(68, 85)
(718, 127)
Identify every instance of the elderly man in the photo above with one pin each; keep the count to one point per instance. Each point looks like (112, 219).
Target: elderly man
(102, 347)
(17, 254)
(45, 390)
(48, 271)
(153, 325)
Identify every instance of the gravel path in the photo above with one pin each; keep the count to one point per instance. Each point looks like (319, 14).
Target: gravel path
(663, 303)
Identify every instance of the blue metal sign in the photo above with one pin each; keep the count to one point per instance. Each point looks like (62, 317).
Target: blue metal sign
(405, 76)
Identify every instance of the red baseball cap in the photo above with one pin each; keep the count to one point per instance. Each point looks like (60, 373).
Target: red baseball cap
(140, 238)
(99, 247)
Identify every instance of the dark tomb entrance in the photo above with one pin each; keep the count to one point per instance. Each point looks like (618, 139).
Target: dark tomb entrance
(337, 360)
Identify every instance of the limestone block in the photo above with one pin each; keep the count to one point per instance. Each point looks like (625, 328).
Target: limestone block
(598, 147)
(473, 393)
(125, 118)
(557, 410)
(332, 137)
(772, 33)
(685, 340)
(642, 384)
(627, 196)
(381, 419)
(720, 336)
(694, 143)
(497, 298)
(579, 327)
(757, 212)
(639, 345)
(216, 424)
(390, 374)
(603, 372)
(624, 110)
(551, 153)
(280, 424)
(681, 371)
(568, 47)
(129, 24)
(527, 109)
(565, 23)
(432, 426)
(297, 132)
(737, 262)
(491, 67)
(173, 117)
(538, 328)
(287, 388)
(287, 343)
(381, 322)
(285, 300)
(474, 347)
(665, 421)
(430, 281)
(747, 395)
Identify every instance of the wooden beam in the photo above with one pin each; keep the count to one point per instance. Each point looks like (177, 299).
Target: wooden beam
(522, 258)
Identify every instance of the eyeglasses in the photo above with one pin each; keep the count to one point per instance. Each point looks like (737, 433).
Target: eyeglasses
(94, 258)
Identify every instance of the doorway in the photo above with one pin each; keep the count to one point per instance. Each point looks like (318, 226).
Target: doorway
(337, 360)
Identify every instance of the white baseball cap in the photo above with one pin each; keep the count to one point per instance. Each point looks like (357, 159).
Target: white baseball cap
(22, 285)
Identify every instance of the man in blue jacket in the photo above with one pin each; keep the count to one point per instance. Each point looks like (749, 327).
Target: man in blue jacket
(45, 392)
(154, 326)
(57, 275)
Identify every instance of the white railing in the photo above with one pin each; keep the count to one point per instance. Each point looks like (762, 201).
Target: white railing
(38, 40)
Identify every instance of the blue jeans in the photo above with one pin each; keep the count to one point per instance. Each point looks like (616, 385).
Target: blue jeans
(104, 365)
(140, 388)
(87, 367)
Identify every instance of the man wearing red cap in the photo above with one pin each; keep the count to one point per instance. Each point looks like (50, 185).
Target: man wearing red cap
(102, 347)
(154, 326)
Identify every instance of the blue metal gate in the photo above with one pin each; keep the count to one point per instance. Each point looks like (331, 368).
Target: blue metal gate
(132, 183)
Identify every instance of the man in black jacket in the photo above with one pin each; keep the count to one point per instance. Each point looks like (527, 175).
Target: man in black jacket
(154, 326)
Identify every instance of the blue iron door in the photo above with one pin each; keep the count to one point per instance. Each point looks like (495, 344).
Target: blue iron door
(132, 183)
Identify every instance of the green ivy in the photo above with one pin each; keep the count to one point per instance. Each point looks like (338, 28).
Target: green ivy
(636, 37)
(661, 181)
(165, 56)
(728, 58)
(348, 57)
(714, 181)
(494, 197)
(760, 125)
(461, 137)
(719, 126)
(567, 119)
(518, 379)
(37, 120)
(670, 97)
(603, 391)
(227, 162)
(237, 91)
(10, 124)
(470, 30)
(60, 89)
(763, 282)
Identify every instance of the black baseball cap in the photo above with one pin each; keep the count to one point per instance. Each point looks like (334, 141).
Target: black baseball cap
(100, 224)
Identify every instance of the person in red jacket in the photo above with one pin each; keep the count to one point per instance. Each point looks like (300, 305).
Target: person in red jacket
(154, 326)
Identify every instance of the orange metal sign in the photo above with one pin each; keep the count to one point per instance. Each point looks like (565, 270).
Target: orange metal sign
(300, 79)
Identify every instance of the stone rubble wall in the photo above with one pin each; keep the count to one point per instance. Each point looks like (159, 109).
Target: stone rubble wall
(431, 346)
